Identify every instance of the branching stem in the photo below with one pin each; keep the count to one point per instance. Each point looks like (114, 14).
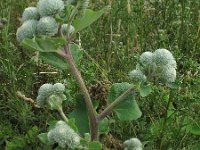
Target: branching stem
(89, 105)
(93, 118)
(110, 108)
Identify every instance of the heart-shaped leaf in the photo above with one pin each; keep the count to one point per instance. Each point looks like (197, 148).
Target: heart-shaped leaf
(45, 44)
(57, 61)
(128, 109)
(145, 90)
(94, 145)
(89, 17)
(80, 115)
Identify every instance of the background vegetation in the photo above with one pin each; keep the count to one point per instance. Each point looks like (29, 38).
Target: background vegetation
(111, 49)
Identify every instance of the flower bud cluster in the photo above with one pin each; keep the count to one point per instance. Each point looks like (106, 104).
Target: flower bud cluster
(50, 7)
(63, 135)
(51, 95)
(27, 30)
(132, 144)
(160, 64)
(40, 20)
(137, 75)
(64, 29)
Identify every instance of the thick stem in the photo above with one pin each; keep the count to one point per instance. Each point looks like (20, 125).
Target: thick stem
(110, 108)
(89, 105)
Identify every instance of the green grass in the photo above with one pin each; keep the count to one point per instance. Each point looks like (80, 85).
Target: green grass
(114, 44)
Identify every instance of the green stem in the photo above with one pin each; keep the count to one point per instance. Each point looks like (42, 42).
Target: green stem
(165, 122)
(110, 108)
(60, 110)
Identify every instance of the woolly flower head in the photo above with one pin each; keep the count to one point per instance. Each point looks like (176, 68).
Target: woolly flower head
(137, 75)
(64, 29)
(146, 59)
(63, 135)
(27, 30)
(51, 94)
(30, 13)
(163, 57)
(59, 87)
(50, 7)
(47, 26)
(45, 89)
(168, 74)
(132, 144)
(160, 64)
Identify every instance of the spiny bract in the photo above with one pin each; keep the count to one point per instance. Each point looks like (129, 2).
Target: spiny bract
(27, 30)
(50, 7)
(30, 13)
(63, 135)
(47, 26)
(137, 75)
(64, 29)
(163, 57)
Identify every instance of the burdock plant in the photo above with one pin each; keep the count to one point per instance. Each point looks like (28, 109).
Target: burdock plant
(50, 28)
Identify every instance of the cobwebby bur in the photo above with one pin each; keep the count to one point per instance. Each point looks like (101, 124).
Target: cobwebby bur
(159, 64)
(64, 135)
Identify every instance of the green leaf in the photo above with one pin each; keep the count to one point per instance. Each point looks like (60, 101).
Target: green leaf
(89, 17)
(32, 133)
(104, 126)
(45, 44)
(31, 44)
(128, 109)
(71, 123)
(193, 129)
(76, 52)
(156, 127)
(50, 44)
(15, 143)
(145, 90)
(196, 147)
(43, 138)
(95, 145)
(80, 115)
(55, 60)
(51, 124)
(83, 142)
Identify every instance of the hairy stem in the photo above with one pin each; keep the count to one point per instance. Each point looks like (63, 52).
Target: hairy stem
(110, 108)
(89, 105)
(60, 110)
